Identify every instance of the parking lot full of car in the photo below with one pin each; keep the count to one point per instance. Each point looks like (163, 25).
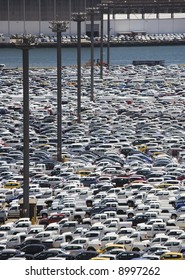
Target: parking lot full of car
(119, 192)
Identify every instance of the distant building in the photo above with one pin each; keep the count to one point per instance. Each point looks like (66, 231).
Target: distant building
(33, 16)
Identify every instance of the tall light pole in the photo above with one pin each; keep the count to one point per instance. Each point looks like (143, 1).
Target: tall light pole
(92, 11)
(79, 17)
(101, 9)
(108, 2)
(108, 36)
(25, 44)
(59, 27)
(105, 6)
(101, 46)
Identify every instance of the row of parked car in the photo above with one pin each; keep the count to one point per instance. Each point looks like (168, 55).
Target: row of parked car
(125, 37)
(20, 239)
(120, 188)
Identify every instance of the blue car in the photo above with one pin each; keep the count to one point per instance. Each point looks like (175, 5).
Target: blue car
(179, 203)
(145, 158)
(3, 111)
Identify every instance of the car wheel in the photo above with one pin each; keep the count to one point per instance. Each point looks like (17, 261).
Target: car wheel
(78, 219)
(173, 216)
(69, 239)
(44, 215)
(130, 203)
(136, 249)
(130, 215)
(90, 249)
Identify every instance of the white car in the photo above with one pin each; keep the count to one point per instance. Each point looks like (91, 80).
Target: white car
(109, 238)
(173, 245)
(93, 245)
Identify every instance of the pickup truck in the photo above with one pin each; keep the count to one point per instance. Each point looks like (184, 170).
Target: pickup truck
(146, 229)
(56, 240)
(80, 213)
(68, 226)
(132, 244)
(99, 218)
(139, 235)
(55, 227)
(89, 245)
(158, 214)
(44, 235)
(163, 227)
(107, 207)
(109, 238)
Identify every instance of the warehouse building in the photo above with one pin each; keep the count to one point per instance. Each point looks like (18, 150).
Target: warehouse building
(33, 16)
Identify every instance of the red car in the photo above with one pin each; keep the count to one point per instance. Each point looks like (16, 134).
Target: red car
(54, 218)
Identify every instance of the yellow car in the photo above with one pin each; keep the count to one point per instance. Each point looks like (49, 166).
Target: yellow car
(142, 148)
(12, 185)
(163, 185)
(110, 247)
(156, 153)
(172, 256)
(84, 172)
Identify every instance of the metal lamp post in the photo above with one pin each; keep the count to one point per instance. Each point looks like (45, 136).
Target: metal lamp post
(25, 44)
(108, 38)
(59, 27)
(92, 11)
(105, 6)
(101, 46)
(108, 3)
(79, 17)
(101, 8)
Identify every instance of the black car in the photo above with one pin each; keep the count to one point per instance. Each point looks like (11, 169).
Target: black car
(33, 249)
(142, 218)
(63, 255)
(100, 208)
(87, 181)
(28, 241)
(120, 181)
(83, 255)
(128, 255)
(5, 254)
(45, 255)
(29, 257)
